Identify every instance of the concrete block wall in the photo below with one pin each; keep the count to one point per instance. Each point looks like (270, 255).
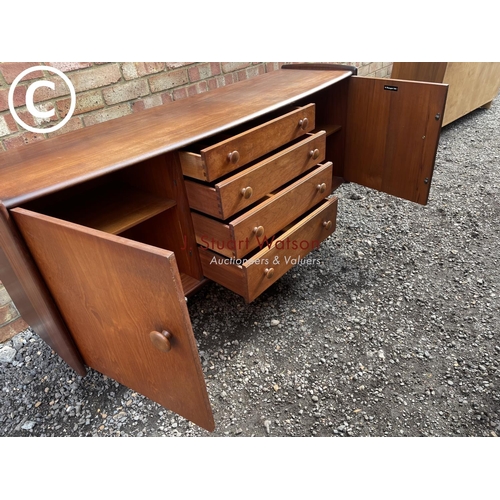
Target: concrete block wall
(105, 91)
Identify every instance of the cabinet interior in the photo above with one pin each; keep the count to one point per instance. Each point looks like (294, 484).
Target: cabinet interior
(137, 203)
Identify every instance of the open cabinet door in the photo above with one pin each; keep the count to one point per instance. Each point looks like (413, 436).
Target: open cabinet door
(392, 135)
(113, 293)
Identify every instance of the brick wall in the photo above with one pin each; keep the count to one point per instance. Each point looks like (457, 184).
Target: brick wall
(105, 91)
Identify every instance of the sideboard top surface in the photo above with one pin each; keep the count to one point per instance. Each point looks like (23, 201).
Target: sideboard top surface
(59, 162)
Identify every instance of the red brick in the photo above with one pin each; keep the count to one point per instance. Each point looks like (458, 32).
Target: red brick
(8, 331)
(221, 81)
(69, 66)
(10, 70)
(106, 114)
(85, 102)
(166, 97)
(46, 93)
(132, 70)
(19, 97)
(259, 69)
(4, 130)
(175, 65)
(229, 67)
(273, 66)
(16, 141)
(8, 313)
(203, 71)
(125, 91)
(146, 103)
(29, 119)
(9, 119)
(74, 123)
(190, 90)
(95, 77)
(168, 80)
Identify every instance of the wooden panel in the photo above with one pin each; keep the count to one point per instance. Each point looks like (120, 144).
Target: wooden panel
(223, 270)
(472, 84)
(210, 231)
(238, 238)
(112, 209)
(247, 277)
(419, 71)
(163, 176)
(204, 198)
(27, 289)
(93, 151)
(392, 135)
(112, 292)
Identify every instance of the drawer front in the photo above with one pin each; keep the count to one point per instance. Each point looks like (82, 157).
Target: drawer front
(253, 275)
(243, 189)
(235, 152)
(250, 230)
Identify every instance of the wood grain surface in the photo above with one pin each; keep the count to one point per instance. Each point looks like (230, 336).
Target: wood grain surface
(112, 292)
(93, 151)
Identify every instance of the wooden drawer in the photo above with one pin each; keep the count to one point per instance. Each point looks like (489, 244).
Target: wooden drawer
(243, 234)
(233, 194)
(224, 157)
(251, 276)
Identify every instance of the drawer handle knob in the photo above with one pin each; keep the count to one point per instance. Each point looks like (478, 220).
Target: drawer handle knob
(321, 187)
(233, 157)
(258, 231)
(327, 224)
(269, 272)
(303, 123)
(247, 192)
(314, 154)
(161, 340)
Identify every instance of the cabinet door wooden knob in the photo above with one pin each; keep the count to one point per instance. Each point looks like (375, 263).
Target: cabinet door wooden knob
(258, 231)
(303, 123)
(269, 272)
(321, 187)
(314, 153)
(327, 224)
(233, 157)
(247, 192)
(161, 340)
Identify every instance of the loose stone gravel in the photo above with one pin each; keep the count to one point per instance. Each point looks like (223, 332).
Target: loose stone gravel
(395, 332)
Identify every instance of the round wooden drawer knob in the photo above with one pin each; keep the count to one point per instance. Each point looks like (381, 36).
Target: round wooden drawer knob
(258, 231)
(269, 272)
(303, 123)
(233, 157)
(321, 187)
(314, 153)
(161, 340)
(327, 224)
(247, 192)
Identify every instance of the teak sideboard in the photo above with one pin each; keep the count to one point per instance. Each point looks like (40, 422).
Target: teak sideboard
(105, 230)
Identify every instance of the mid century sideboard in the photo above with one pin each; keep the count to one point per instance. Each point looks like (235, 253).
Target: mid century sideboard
(105, 230)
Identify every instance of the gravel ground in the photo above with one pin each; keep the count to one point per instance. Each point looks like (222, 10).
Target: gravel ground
(394, 333)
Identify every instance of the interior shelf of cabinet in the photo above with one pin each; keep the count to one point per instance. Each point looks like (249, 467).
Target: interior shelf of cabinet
(190, 284)
(113, 209)
(329, 128)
